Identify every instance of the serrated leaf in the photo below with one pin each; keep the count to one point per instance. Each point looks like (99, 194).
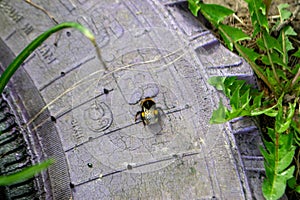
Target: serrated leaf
(269, 111)
(276, 60)
(297, 189)
(232, 35)
(217, 82)
(270, 147)
(292, 182)
(234, 100)
(285, 123)
(297, 53)
(219, 115)
(285, 143)
(271, 42)
(282, 74)
(283, 126)
(260, 44)
(245, 100)
(287, 44)
(230, 83)
(257, 11)
(257, 100)
(271, 133)
(295, 69)
(265, 60)
(226, 40)
(286, 159)
(275, 189)
(283, 13)
(215, 13)
(288, 30)
(269, 171)
(270, 77)
(279, 155)
(249, 53)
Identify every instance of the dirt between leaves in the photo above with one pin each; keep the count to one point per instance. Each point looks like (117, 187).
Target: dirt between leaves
(242, 19)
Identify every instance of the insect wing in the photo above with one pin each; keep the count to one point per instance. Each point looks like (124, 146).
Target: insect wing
(157, 127)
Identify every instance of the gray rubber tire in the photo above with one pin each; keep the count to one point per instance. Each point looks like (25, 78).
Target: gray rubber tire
(72, 109)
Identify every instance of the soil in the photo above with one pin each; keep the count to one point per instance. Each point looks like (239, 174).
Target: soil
(242, 20)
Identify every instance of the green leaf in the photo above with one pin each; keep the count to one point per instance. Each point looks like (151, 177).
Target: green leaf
(282, 74)
(265, 60)
(286, 159)
(257, 11)
(270, 77)
(234, 100)
(276, 60)
(297, 189)
(283, 125)
(194, 6)
(278, 155)
(215, 13)
(25, 174)
(270, 147)
(274, 188)
(283, 13)
(235, 33)
(288, 30)
(268, 159)
(292, 182)
(259, 110)
(227, 40)
(219, 115)
(249, 53)
(271, 42)
(287, 44)
(272, 134)
(232, 35)
(257, 100)
(260, 44)
(244, 100)
(297, 53)
(217, 82)
(270, 113)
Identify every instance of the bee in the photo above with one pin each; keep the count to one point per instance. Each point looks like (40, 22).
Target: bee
(149, 113)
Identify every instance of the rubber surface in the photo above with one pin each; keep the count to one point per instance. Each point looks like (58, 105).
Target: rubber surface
(152, 49)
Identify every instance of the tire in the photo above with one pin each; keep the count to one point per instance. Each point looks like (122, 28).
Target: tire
(69, 108)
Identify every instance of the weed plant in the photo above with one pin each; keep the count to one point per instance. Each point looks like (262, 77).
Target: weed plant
(278, 99)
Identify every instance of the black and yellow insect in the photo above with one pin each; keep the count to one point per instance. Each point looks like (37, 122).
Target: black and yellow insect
(149, 113)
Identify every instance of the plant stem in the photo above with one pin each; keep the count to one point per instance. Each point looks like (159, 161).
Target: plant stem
(285, 60)
(295, 79)
(271, 61)
(252, 64)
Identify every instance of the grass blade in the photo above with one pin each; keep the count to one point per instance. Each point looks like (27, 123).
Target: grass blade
(11, 69)
(25, 174)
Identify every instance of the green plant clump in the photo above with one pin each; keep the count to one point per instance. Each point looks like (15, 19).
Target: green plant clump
(279, 99)
(29, 172)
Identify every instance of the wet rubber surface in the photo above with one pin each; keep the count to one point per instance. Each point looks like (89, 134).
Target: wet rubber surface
(81, 114)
